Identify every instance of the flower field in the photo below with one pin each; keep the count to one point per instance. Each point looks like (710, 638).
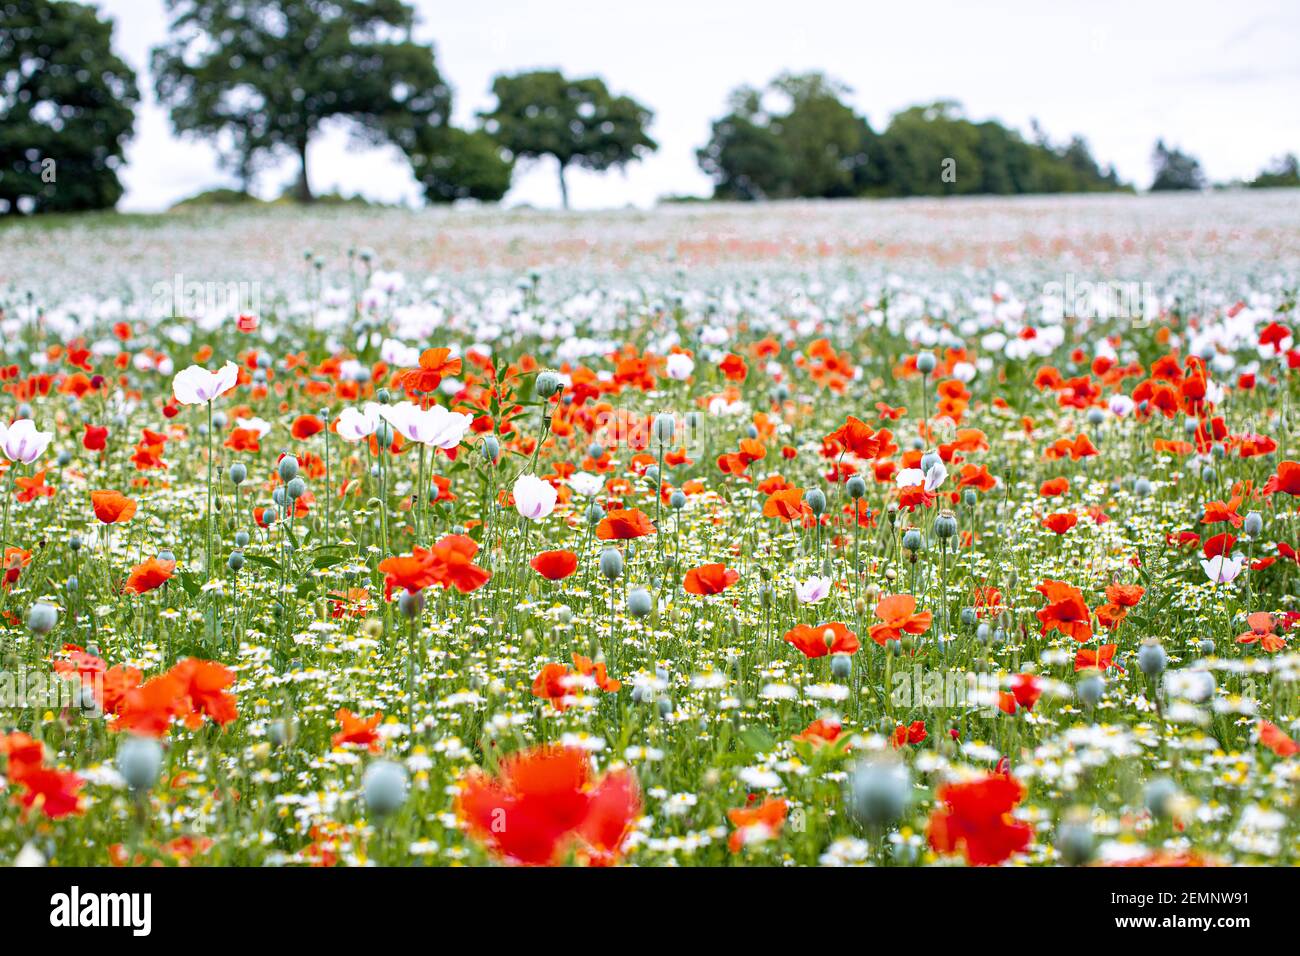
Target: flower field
(894, 534)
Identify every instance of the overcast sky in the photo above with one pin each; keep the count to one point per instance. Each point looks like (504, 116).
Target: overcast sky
(1220, 79)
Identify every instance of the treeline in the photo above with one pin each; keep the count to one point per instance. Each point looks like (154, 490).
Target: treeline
(798, 138)
(260, 78)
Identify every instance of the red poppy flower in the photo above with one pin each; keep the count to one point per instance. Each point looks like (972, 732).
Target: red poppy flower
(1054, 487)
(898, 612)
(359, 731)
(820, 732)
(555, 565)
(112, 506)
(622, 524)
(545, 801)
(756, 824)
(811, 639)
(913, 733)
(1102, 658)
(149, 575)
(710, 579)
(975, 819)
(786, 504)
(1066, 611)
(95, 438)
(734, 367)
(1060, 522)
(1286, 480)
(304, 426)
(1275, 740)
(1263, 630)
(857, 437)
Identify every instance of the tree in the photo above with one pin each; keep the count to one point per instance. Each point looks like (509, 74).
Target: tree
(827, 143)
(744, 157)
(576, 121)
(458, 164)
(264, 75)
(1175, 169)
(933, 151)
(66, 108)
(1283, 171)
(806, 143)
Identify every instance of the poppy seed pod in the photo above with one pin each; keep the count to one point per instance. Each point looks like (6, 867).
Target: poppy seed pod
(929, 460)
(639, 602)
(1142, 488)
(665, 426)
(1254, 524)
(548, 383)
(1091, 688)
(969, 498)
(912, 539)
(595, 450)
(677, 501)
(237, 473)
(42, 618)
(945, 525)
(841, 666)
(296, 488)
(1206, 646)
(139, 761)
(1152, 658)
(879, 792)
(816, 501)
(1074, 838)
(383, 786)
(856, 487)
(411, 604)
(611, 563)
(236, 560)
(281, 732)
(241, 539)
(1160, 796)
(925, 362)
(288, 468)
(490, 449)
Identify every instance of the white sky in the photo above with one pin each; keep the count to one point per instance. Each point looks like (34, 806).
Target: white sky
(1220, 79)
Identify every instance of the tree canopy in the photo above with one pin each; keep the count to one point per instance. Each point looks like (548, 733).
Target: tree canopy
(452, 164)
(1175, 169)
(799, 138)
(577, 122)
(262, 76)
(66, 108)
(1283, 171)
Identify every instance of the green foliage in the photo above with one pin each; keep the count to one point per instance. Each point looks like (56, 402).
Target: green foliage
(1284, 171)
(576, 121)
(816, 146)
(216, 197)
(66, 108)
(1175, 169)
(456, 164)
(263, 75)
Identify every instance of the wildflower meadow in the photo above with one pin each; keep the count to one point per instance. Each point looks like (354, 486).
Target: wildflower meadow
(895, 534)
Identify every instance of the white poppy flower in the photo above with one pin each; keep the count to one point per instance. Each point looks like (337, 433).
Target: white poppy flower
(197, 386)
(534, 498)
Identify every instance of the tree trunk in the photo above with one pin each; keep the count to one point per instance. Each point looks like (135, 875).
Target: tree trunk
(304, 186)
(564, 187)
